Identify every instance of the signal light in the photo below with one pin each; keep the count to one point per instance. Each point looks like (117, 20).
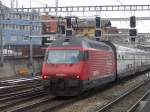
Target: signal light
(98, 22)
(68, 32)
(133, 39)
(133, 32)
(62, 29)
(68, 22)
(97, 33)
(132, 21)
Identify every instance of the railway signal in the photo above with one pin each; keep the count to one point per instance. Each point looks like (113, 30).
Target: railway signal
(69, 27)
(98, 22)
(133, 31)
(97, 28)
(68, 19)
(62, 27)
(132, 21)
(133, 34)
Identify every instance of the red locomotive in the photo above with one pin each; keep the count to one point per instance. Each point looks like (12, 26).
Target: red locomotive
(74, 65)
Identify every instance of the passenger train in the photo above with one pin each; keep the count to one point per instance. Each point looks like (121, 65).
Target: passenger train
(73, 65)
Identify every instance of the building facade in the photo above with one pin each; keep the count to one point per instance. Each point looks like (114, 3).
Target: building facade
(16, 28)
(49, 24)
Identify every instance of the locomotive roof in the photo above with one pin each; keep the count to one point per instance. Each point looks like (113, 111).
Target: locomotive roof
(87, 43)
(80, 42)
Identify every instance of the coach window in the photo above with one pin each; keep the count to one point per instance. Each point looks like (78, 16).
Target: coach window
(118, 57)
(122, 57)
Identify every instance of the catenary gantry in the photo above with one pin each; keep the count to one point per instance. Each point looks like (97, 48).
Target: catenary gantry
(89, 8)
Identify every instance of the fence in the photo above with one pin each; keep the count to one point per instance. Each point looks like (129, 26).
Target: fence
(22, 51)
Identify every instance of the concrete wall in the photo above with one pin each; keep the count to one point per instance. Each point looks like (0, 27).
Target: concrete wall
(12, 67)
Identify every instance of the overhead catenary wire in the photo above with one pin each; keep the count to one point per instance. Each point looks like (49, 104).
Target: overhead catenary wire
(121, 3)
(4, 2)
(146, 27)
(39, 2)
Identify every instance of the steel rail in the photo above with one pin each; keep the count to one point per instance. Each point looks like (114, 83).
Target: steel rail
(107, 106)
(11, 96)
(135, 106)
(7, 103)
(18, 80)
(33, 105)
(7, 89)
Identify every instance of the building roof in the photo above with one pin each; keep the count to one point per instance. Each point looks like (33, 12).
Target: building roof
(91, 23)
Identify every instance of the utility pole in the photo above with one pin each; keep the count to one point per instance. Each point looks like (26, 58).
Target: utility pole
(31, 47)
(56, 3)
(1, 36)
(30, 4)
(16, 3)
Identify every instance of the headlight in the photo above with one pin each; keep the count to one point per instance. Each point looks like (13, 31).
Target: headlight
(78, 76)
(45, 77)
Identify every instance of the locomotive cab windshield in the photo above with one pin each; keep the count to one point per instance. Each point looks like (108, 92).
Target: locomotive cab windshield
(66, 56)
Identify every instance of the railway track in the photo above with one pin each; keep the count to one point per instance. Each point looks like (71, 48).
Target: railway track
(19, 91)
(55, 103)
(19, 94)
(142, 105)
(126, 100)
(19, 84)
(7, 89)
(100, 98)
(11, 99)
(39, 101)
(45, 104)
(31, 103)
(19, 81)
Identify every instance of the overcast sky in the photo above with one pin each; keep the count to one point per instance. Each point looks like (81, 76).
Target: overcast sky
(142, 26)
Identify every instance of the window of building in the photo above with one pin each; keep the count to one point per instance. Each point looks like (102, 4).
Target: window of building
(13, 15)
(23, 27)
(28, 17)
(20, 16)
(9, 26)
(6, 26)
(17, 27)
(3, 26)
(13, 26)
(20, 27)
(28, 27)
